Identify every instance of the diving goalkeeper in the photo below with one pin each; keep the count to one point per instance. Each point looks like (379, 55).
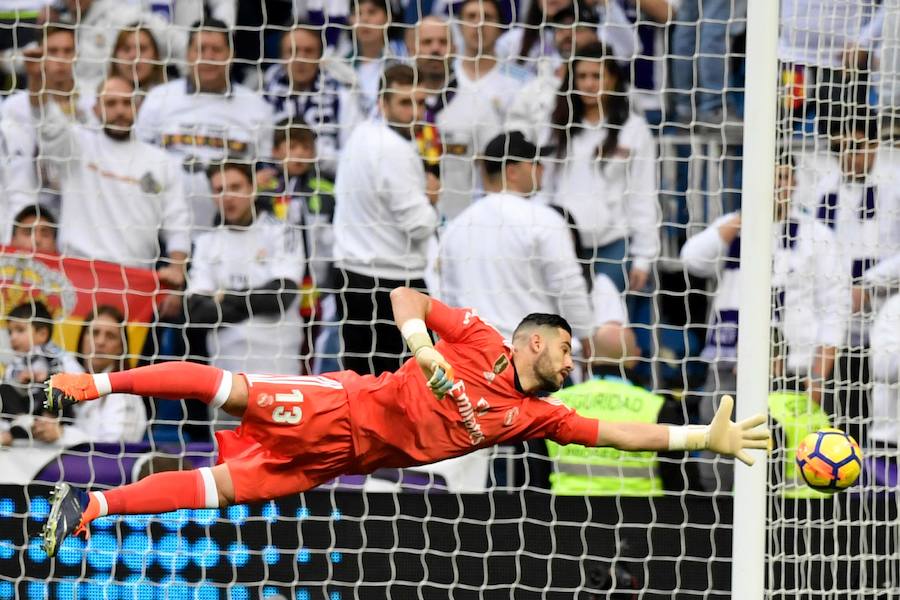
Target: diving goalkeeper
(469, 391)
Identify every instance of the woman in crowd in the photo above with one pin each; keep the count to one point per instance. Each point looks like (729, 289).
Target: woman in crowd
(102, 347)
(136, 58)
(604, 168)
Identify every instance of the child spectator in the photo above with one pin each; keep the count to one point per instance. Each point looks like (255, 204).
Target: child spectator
(301, 89)
(302, 198)
(34, 230)
(103, 347)
(34, 359)
(306, 201)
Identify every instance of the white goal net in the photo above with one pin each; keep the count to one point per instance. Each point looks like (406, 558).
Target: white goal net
(242, 184)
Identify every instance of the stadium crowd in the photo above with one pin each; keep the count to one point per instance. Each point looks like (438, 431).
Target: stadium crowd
(281, 179)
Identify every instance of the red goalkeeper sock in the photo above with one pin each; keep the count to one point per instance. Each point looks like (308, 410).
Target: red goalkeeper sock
(173, 380)
(159, 493)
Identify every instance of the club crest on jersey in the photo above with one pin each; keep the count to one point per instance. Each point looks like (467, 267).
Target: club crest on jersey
(482, 407)
(500, 364)
(149, 184)
(265, 400)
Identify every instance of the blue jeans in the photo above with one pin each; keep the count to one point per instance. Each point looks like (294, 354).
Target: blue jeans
(700, 37)
(611, 261)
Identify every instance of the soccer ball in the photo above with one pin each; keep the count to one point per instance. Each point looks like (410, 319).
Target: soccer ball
(829, 460)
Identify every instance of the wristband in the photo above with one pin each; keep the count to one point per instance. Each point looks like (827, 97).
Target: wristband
(689, 437)
(416, 335)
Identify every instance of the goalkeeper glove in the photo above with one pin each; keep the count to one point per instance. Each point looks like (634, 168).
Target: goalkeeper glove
(723, 435)
(438, 372)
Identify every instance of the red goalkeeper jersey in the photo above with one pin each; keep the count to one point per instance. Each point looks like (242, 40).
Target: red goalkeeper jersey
(397, 422)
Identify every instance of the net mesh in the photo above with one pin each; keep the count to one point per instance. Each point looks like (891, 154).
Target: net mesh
(224, 183)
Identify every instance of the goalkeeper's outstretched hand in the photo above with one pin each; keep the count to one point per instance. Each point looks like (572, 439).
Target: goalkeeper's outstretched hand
(437, 370)
(732, 439)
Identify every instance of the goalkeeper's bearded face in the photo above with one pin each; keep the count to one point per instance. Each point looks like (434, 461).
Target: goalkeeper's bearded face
(554, 361)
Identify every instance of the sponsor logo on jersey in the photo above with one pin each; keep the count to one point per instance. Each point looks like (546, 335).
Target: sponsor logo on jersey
(500, 364)
(511, 416)
(467, 412)
(489, 375)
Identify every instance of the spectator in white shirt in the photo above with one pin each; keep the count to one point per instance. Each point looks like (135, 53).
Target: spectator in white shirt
(507, 255)
(467, 97)
(103, 348)
(98, 23)
(604, 170)
(372, 50)
(861, 203)
(205, 117)
(811, 309)
(245, 279)
(478, 69)
(27, 178)
(118, 193)
(384, 217)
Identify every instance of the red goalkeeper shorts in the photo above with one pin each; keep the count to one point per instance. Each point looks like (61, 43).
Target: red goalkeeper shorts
(294, 435)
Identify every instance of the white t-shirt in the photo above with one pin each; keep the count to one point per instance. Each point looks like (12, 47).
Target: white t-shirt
(230, 258)
(614, 199)
(112, 418)
(382, 218)
(814, 295)
(201, 127)
(508, 256)
(117, 196)
(472, 117)
(28, 181)
(865, 217)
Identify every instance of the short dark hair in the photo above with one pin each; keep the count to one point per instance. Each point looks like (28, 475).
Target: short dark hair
(294, 130)
(458, 7)
(36, 211)
(316, 30)
(36, 313)
(381, 5)
(245, 168)
(543, 320)
(396, 75)
(214, 25)
(56, 27)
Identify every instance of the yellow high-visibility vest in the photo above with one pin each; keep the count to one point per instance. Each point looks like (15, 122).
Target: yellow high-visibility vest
(798, 416)
(585, 471)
